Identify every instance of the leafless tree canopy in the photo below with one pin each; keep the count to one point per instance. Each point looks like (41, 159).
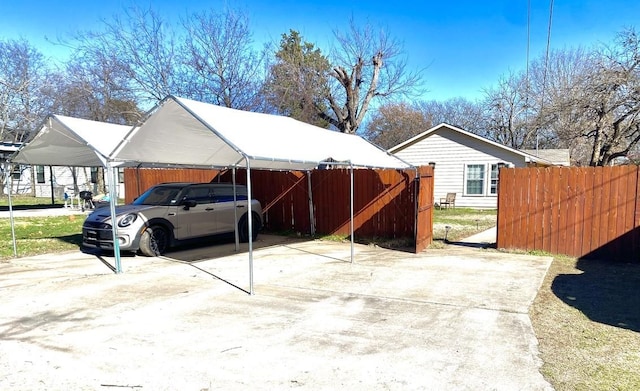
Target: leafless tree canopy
(222, 65)
(459, 112)
(23, 79)
(585, 100)
(394, 123)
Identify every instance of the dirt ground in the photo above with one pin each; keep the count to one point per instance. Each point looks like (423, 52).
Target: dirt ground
(452, 319)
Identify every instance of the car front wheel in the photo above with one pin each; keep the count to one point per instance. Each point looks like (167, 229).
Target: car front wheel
(154, 241)
(243, 228)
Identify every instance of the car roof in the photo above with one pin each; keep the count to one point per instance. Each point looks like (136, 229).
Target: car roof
(198, 183)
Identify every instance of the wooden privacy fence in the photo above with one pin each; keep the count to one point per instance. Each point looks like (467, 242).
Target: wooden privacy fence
(578, 211)
(385, 203)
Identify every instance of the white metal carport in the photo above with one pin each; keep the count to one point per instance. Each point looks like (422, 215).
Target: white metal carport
(180, 132)
(74, 142)
(188, 133)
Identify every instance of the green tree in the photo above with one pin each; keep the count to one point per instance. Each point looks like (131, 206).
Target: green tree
(297, 82)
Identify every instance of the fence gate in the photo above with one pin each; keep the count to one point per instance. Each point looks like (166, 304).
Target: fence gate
(424, 208)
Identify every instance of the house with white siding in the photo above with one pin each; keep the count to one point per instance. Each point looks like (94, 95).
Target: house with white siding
(57, 180)
(465, 163)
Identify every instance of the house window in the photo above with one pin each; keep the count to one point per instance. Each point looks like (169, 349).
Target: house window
(16, 173)
(475, 179)
(493, 185)
(120, 175)
(40, 174)
(94, 174)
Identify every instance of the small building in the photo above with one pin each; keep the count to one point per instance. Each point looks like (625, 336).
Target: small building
(465, 164)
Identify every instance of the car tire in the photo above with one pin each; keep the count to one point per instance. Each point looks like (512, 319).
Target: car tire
(243, 227)
(154, 241)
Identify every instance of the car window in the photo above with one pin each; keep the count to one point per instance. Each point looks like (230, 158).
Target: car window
(199, 194)
(225, 193)
(159, 195)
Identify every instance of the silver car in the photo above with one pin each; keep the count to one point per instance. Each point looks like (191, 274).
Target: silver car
(169, 213)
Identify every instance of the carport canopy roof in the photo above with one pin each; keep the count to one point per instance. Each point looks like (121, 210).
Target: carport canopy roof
(184, 132)
(68, 141)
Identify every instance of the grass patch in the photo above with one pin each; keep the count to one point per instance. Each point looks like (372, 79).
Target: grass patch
(41, 235)
(463, 222)
(28, 202)
(587, 321)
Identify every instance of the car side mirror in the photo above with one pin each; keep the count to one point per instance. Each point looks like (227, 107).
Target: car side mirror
(189, 204)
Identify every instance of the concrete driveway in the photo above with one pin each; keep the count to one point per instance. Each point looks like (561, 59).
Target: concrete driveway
(450, 319)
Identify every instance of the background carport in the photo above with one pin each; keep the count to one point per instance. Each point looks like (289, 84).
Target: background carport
(73, 142)
(185, 133)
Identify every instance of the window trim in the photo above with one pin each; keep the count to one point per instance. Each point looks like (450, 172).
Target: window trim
(466, 179)
(490, 179)
(40, 177)
(93, 174)
(486, 179)
(16, 172)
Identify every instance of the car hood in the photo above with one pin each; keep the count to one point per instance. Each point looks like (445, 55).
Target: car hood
(104, 214)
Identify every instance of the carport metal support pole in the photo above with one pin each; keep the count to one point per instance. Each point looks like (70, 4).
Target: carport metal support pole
(312, 220)
(235, 208)
(351, 207)
(250, 226)
(111, 182)
(9, 181)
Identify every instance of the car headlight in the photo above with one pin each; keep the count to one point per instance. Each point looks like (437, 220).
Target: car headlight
(127, 220)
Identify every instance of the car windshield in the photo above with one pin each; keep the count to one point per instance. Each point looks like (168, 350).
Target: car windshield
(159, 195)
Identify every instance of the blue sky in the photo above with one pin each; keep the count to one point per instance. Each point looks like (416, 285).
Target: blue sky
(462, 46)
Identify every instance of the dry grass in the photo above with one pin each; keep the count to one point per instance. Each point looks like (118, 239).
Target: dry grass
(587, 320)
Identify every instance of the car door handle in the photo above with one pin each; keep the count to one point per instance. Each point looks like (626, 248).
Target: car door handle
(239, 206)
(208, 209)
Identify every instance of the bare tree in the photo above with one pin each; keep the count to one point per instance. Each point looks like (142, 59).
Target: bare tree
(458, 112)
(95, 86)
(143, 45)
(393, 123)
(593, 100)
(508, 114)
(611, 100)
(554, 114)
(219, 55)
(367, 65)
(23, 76)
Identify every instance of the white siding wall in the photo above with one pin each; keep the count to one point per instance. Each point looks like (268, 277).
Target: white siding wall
(452, 151)
(63, 181)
